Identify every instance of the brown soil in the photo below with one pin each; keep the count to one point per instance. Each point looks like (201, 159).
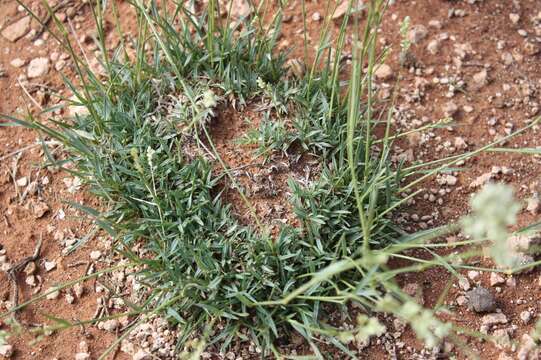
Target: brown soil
(474, 42)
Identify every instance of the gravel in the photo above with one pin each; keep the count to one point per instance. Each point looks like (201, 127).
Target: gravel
(95, 255)
(40, 208)
(17, 30)
(433, 47)
(494, 319)
(110, 325)
(533, 205)
(450, 109)
(38, 67)
(525, 316)
(17, 62)
(49, 265)
(6, 350)
(480, 79)
(54, 295)
(480, 300)
(383, 72)
(141, 355)
(417, 33)
(496, 279)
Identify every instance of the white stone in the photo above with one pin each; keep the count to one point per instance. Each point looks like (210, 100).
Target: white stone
(480, 79)
(341, 10)
(450, 109)
(59, 65)
(494, 319)
(110, 325)
(496, 279)
(141, 355)
(83, 347)
(17, 30)
(49, 265)
(127, 347)
(451, 180)
(95, 255)
(436, 24)
(507, 58)
(77, 110)
(473, 275)
(70, 299)
(433, 47)
(78, 289)
(528, 349)
(515, 18)
(525, 316)
(17, 62)
(464, 283)
(30, 280)
(240, 9)
(6, 350)
(468, 108)
(533, 205)
(53, 295)
(383, 72)
(417, 33)
(38, 67)
(21, 182)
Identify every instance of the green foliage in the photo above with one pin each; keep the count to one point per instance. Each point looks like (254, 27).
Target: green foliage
(133, 150)
(205, 266)
(272, 137)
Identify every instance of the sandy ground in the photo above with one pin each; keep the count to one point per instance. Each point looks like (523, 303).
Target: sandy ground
(478, 62)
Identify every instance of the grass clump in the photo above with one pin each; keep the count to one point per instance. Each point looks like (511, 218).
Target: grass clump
(205, 267)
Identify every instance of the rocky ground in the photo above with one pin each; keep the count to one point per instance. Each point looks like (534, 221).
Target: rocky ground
(477, 63)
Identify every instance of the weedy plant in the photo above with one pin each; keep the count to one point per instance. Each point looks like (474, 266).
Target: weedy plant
(205, 267)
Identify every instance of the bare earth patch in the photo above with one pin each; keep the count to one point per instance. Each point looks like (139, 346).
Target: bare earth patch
(477, 62)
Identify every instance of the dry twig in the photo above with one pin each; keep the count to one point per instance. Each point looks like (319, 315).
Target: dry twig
(15, 269)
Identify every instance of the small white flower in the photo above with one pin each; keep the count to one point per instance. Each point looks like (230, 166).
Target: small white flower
(209, 99)
(150, 156)
(262, 85)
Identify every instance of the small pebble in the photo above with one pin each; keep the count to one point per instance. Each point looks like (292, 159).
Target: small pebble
(53, 295)
(496, 279)
(515, 18)
(525, 316)
(49, 265)
(464, 283)
(110, 325)
(38, 67)
(480, 300)
(95, 255)
(6, 350)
